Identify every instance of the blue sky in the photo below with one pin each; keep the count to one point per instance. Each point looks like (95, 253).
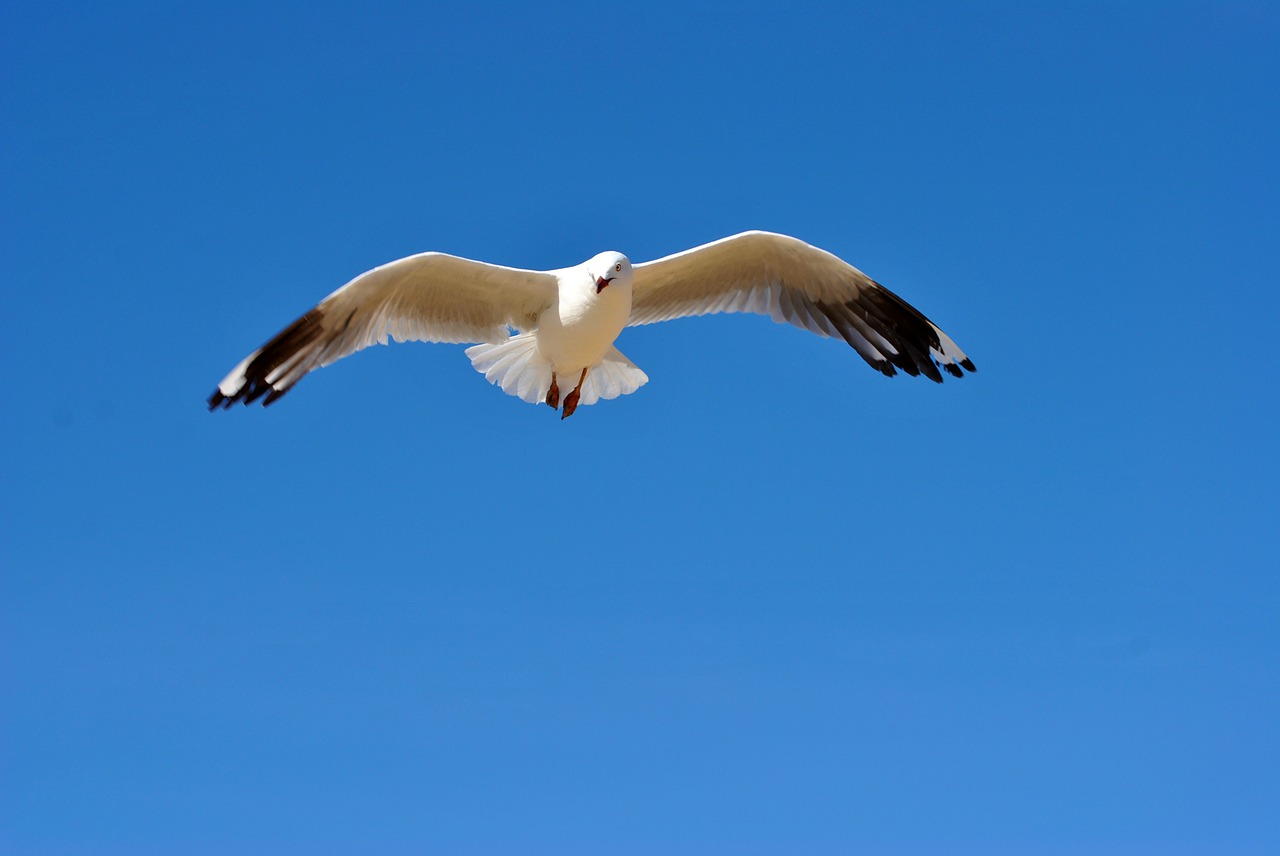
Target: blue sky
(772, 602)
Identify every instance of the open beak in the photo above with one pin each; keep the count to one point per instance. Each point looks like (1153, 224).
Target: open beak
(601, 282)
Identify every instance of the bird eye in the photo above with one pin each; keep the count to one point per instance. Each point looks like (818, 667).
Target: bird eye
(618, 266)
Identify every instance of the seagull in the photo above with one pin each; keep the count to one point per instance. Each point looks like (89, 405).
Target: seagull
(565, 321)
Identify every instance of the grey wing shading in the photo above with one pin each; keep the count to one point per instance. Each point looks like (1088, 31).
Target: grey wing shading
(430, 297)
(793, 282)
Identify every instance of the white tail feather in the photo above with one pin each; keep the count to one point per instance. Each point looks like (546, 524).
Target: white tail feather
(613, 376)
(518, 368)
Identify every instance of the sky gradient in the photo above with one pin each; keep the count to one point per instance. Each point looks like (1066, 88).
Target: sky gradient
(771, 602)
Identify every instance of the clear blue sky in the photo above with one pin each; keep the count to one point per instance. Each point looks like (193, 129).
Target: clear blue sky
(772, 602)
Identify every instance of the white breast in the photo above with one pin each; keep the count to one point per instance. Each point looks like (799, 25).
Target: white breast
(578, 329)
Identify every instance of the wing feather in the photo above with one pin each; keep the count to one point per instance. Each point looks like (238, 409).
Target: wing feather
(793, 282)
(430, 297)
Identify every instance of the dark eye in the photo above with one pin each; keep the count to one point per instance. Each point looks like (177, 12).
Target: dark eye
(618, 266)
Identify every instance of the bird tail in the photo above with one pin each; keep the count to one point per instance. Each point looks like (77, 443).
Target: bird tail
(613, 376)
(519, 368)
(516, 365)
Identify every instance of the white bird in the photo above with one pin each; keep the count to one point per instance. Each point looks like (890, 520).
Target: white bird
(567, 320)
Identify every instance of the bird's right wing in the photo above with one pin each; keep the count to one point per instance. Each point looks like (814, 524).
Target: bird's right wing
(430, 297)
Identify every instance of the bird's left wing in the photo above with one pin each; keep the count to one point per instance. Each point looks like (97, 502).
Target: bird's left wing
(791, 281)
(430, 297)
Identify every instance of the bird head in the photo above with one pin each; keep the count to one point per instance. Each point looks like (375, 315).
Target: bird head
(609, 269)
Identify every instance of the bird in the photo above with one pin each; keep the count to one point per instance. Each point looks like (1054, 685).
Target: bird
(537, 334)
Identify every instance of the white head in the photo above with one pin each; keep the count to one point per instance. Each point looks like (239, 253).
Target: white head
(608, 269)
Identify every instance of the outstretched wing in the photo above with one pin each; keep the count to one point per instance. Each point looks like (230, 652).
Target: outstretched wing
(429, 297)
(791, 281)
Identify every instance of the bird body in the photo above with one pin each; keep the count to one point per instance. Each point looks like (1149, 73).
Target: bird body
(583, 320)
(566, 321)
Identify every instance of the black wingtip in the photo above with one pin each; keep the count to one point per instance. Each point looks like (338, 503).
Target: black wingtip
(298, 337)
(248, 394)
(968, 365)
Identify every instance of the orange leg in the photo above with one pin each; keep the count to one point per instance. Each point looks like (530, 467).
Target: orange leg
(571, 400)
(553, 394)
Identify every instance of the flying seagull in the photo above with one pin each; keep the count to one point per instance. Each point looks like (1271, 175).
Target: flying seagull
(567, 320)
